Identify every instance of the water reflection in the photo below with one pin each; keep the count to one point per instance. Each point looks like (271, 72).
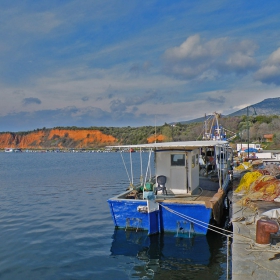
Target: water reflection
(171, 256)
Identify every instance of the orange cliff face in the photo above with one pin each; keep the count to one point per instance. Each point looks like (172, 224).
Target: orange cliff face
(56, 138)
(85, 138)
(13, 140)
(158, 138)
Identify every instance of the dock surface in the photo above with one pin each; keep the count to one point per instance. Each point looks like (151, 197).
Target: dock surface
(249, 259)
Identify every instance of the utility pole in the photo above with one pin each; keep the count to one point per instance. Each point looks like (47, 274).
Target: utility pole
(248, 126)
(248, 130)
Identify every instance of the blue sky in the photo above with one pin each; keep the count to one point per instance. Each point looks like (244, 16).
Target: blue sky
(133, 63)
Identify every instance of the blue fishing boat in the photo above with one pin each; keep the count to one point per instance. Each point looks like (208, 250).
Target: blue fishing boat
(185, 196)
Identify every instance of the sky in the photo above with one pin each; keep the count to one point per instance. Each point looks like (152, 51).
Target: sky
(134, 63)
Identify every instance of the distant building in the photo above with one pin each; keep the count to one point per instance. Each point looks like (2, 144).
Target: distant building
(268, 137)
(244, 146)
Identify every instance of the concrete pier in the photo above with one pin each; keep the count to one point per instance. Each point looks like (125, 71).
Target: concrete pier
(249, 259)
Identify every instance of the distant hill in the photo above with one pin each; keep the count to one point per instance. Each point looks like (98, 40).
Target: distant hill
(198, 120)
(268, 107)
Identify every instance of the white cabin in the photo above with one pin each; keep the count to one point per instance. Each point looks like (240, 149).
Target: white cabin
(181, 169)
(179, 162)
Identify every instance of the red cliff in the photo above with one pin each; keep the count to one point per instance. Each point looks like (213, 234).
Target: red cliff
(56, 138)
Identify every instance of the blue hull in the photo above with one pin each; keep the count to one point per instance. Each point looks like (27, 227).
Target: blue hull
(199, 214)
(126, 215)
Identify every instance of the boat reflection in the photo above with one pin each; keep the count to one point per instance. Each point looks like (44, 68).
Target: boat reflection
(169, 254)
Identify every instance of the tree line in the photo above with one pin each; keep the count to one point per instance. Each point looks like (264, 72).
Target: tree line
(257, 126)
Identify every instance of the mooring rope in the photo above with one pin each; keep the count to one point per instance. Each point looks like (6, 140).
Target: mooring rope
(197, 222)
(207, 225)
(200, 223)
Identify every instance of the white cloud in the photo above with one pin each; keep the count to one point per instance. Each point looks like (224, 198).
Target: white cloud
(269, 73)
(106, 55)
(239, 61)
(274, 58)
(195, 58)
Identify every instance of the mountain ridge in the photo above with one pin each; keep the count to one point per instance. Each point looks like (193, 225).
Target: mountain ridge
(269, 106)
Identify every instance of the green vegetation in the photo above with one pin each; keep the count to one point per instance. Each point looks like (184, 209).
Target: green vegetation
(258, 126)
(139, 135)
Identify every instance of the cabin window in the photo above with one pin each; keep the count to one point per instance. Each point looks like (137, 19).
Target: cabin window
(178, 160)
(193, 161)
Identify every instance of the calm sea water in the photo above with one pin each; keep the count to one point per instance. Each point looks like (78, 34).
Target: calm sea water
(55, 223)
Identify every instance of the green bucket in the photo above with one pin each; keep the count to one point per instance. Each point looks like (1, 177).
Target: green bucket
(149, 187)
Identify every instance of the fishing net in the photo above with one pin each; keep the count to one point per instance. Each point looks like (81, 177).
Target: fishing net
(243, 166)
(246, 181)
(260, 184)
(272, 169)
(264, 172)
(261, 187)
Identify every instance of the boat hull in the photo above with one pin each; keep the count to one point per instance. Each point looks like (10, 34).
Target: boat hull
(126, 214)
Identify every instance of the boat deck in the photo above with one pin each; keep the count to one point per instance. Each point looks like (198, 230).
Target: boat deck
(207, 188)
(208, 193)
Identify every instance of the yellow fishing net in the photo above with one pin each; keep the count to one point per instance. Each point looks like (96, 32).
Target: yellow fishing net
(247, 180)
(256, 186)
(243, 166)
